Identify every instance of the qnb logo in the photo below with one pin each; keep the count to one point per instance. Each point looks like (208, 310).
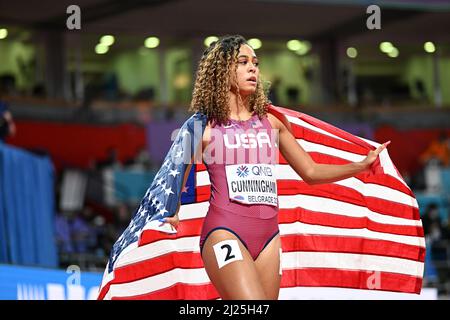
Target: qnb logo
(242, 171)
(247, 140)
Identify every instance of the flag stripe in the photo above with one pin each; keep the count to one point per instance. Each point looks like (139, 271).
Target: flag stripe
(179, 291)
(351, 245)
(351, 261)
(160, 281)
(313, 136)
(319, 277)
(326, 219)
(303, 228)
(303, 124)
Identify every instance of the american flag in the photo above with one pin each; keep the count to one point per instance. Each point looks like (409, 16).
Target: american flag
(363, 232)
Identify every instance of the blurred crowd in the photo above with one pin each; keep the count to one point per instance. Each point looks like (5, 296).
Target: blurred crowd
(90, 220)
(435, 161)
(7, 125)
(86, 237)
(437, 238)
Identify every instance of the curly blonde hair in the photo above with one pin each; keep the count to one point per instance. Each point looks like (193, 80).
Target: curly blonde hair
(216, 74)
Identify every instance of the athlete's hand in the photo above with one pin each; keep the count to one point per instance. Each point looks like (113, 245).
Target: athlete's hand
(174, 221)
(373, 154)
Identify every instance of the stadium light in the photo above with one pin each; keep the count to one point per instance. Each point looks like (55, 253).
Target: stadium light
(352, 52)
(386, 46)
(101, 48)
(209, 40)
(429, 47)
(393, 53)
(107, 40)
(294, 45)
(305, 46)
(3, 33)
(255, 43)
(151, 42)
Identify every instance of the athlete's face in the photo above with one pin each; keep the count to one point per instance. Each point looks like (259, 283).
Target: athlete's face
(247, 72)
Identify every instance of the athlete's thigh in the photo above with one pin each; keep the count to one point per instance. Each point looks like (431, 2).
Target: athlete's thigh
(268, 267)
(237, 279)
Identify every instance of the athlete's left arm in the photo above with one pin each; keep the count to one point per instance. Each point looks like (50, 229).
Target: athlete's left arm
(310, 171)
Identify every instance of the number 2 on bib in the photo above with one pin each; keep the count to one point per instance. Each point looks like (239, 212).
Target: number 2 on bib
(227, 251)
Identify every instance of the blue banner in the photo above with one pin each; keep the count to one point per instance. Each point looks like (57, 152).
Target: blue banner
(26, 208)
(26, 283)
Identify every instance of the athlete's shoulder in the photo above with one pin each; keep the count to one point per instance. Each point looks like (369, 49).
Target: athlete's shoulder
(274, 121)
(278, 116)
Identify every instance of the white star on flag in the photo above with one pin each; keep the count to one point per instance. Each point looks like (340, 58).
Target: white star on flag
(179, 154)
(174, 172)
(168, 191)
(158, 183)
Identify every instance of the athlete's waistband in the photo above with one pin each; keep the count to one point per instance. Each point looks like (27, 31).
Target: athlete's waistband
(241, 213)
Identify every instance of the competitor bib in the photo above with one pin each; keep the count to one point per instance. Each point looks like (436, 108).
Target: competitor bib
(252, 183)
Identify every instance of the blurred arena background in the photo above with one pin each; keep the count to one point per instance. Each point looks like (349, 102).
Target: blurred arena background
(87, 115)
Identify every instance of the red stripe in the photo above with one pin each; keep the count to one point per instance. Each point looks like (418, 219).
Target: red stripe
(340, 221)
(320, 243)
(200, 167)
(347, 195)
(317, 277)
(300, 132)
(203, 193)
(158, 265)
(179, 291)
(104, 290)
